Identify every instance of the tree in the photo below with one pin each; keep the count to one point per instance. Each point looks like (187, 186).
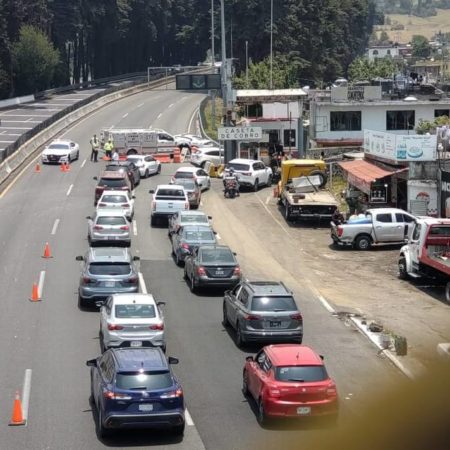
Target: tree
(420, 46)
(384, 38)
(34, 60)
(363, 69)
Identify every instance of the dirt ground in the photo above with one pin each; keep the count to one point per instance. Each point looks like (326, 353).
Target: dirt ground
(352, 281)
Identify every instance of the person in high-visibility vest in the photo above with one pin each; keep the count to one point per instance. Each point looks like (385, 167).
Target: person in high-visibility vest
(95, 144)
(108, 147)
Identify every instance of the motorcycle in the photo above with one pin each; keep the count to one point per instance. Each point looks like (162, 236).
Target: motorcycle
(231, 187)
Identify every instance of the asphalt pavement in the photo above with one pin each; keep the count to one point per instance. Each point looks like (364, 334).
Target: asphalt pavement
(54, 338)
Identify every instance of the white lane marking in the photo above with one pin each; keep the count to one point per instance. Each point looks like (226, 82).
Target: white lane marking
(142, 283)
(41, 283)
(134, 228)
(140, 104)
(192, 119)
(125, 115)
(17, 128)
(159, 115)
(273, 217)
(55, 226)
(188, 418)
(26, 389)
(268, 199)
(69, 190)
(218, 236)
(327, 306)
(83, 163)
(170, 106)
(7, 142)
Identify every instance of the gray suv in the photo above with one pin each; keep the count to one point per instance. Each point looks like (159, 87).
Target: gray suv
(262, 311)
(106, 271)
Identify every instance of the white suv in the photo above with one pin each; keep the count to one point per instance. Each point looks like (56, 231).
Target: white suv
(250, 173)
(200, 156)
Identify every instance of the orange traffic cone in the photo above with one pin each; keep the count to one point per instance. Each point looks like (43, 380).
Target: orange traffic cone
(62, 167)
(47, 253)
(35, 293)
(17, 414)
(67, 167)
(37, 168)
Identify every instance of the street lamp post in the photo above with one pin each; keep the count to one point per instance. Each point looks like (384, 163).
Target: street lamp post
(212, 33)
(271, 44)
(246, 64)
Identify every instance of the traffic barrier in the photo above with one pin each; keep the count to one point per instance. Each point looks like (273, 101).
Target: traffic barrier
(17, 413)
(220, 170)
(47, 253)
(37, 169)
(35, 293)
(176, 155)
(162, 157)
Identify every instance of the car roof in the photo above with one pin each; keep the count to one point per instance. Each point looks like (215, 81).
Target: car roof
(187, 169)
(129, 299)
(195, 227)
(243, 161)
(109, 254)
(208, 149)
(110, 212)
(133, 359)
(169, 186)
(388, 210)
(214, 247)
(61, 141)
(114, 192)
(113, 174)
(268, 288)
(190, 212)
(293, 355)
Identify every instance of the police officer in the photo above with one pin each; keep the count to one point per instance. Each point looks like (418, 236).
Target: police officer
(108, 147)
(95, 145)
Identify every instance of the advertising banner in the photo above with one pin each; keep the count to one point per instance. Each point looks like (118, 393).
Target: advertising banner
(445, 194)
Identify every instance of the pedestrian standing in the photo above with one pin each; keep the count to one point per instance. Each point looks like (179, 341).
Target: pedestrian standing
(95, 145)
(115, 155)
(108, 148)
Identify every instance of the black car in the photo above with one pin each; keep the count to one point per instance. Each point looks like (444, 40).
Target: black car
(136, 388)
(131, 169)
(212, 265)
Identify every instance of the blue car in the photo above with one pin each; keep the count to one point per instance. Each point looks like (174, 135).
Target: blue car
(136, 388)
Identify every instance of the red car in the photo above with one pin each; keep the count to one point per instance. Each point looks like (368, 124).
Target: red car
(289, 380)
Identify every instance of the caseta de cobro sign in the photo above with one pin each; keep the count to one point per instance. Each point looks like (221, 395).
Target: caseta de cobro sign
(239, 134)
(400, 147)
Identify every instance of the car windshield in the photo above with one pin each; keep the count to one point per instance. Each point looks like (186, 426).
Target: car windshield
(147, 381)
(238, 166)
(273, 304)
(167, 192)
(134, 311)
(115, 168)
(194, 218)
(198, 235)
(114, 199)
(59, 146)
(112, 182)
(111, 220)
(301, 373)
(109, 268)
(217, 256)
(184, 175)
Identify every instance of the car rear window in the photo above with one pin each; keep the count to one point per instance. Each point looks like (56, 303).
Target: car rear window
(111, 220)
(440, 231)
(59, 146)
(194, 219)
(134, 311)
(301, 373)
(112, 182)
(198, 235)
(109, 268)
(184, 175)
(238, 166)
(114, 199)
(147, 381)
(273, 304)
(167, 192)
(217, 256)
(189, 185)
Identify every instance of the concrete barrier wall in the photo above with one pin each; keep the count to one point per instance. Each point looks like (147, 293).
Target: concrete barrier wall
(16, 101)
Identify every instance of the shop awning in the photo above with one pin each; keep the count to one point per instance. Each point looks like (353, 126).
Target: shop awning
(362, 174)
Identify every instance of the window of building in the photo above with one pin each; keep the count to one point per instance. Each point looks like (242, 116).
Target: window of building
(345, 120)
(289, 138)
(400, 120)
(441, 112)
(375, 52)
(388, 52)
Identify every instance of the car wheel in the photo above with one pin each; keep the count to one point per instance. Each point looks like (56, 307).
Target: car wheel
(185, 275)
(287, 215)
(192, 285)
(159, 169)
(240, 341)
(402, 273)
(152, 221)
(78, 155)
(225, 321)
(102, 432)
(146, 174)
(81, 302)
(363, 243)
(178, 430)
(261, 417)
(256, 185)
(245, 383)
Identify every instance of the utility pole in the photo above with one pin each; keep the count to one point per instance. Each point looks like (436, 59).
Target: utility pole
(246, 64)
(212, 33)
(271, 44)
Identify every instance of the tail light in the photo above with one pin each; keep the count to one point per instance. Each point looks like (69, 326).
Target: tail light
(125, 227)
(274, 392)
(331, 390)
(172, 394)
(132, 280)
(87, 280)
(124, 205)
(247, 174)
(237, 271)
(157, 326)
(297, 317)
(340, 231)
(110, 395)
(252, 317)
(201, 271)
(113, 327)
(185, 246)
(102, 204)
(98, 227)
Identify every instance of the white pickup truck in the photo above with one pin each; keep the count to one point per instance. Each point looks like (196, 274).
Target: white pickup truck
(377, 226)
(167, 200)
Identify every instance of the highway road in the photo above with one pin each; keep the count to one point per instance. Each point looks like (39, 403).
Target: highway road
(54, 338)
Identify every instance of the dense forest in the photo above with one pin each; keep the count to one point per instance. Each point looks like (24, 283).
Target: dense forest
(46, 43)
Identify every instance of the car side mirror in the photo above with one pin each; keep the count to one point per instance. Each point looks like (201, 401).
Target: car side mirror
(234, 253)
(322, 357)
(79, 258)
(89, 217)
(173, 360)
(92, 363)
(95, 178)
(99, 304)
(136, 258)
(210, 217)
(249, 358)
(215, 232)
(160, 303)
(151, 191)
(133, 196)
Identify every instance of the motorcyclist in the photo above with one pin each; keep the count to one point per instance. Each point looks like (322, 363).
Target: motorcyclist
(230, 182)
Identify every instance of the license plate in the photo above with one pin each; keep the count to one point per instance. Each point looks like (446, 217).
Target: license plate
(304, 410)
(220, 272)
(136, 344)
(170, 205)
(275, 324)
(146, 407)
(109, 284)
